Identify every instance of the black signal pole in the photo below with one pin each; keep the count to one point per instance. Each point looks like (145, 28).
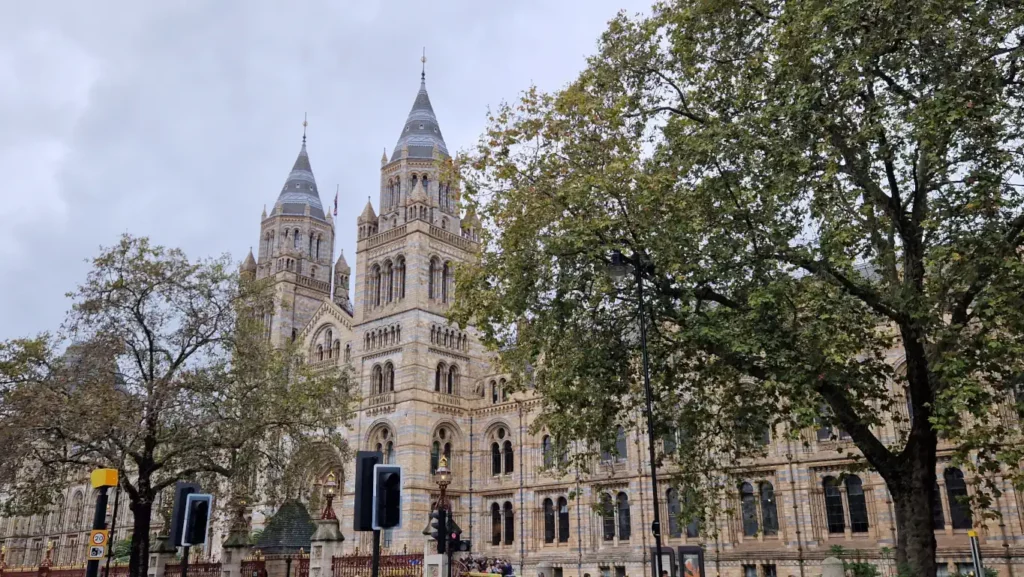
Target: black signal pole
(99, 522)
(619, 266)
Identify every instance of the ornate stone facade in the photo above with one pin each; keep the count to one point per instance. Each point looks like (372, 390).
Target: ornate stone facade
(429, 388)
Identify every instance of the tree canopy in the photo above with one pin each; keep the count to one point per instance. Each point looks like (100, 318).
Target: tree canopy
(167, 375)
(824, 203)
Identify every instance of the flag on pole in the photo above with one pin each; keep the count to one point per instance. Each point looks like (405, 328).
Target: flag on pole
(336, 200)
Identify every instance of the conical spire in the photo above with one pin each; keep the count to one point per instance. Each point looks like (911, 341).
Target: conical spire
(368, 214)
(299, 190)
(342, 264)
(249, 264)
(421, 133)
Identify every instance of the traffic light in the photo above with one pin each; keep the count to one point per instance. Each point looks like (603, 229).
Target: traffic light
(181, 492)
(365, 462)
(387, 497)
(454, 534)
(197, 519)
(439, 529)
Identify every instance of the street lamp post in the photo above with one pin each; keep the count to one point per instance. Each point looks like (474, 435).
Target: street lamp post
(330, 486)
(619, 269)
(444, 478)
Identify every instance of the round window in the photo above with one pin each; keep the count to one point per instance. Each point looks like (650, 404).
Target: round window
(501, 433)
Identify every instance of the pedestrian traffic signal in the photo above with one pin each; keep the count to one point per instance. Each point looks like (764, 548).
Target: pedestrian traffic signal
(439, 529)
(181, 492)
(363, 515)
(197, 519)
(387, 497)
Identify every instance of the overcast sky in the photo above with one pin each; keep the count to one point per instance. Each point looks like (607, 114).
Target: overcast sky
(181, 120)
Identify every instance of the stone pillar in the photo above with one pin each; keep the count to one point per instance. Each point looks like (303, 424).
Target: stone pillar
(235, 549)
(160, 554)
(325, 544)
(832, 567)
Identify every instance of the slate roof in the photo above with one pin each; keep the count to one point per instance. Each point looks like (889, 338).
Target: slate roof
(300, 191)
(287, 531)
(421, 132)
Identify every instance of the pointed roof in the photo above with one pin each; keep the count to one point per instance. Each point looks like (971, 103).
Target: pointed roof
(249, 264)
(368, 215)
(287, 531)
(421, 133)
(299, 191)
(342, 264)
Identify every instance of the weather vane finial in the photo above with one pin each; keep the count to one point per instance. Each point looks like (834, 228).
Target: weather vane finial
(423, 60)
(304, 125)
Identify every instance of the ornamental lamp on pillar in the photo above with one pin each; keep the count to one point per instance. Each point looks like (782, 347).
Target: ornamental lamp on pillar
(444, 478)
(330, 487)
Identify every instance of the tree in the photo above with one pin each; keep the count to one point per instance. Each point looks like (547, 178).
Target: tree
(169, 377)
(805, 188)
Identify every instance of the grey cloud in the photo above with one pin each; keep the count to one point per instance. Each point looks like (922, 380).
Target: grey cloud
(181, 120)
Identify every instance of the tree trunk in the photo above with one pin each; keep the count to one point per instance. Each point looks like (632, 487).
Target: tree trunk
(142, 510)
(912, 486)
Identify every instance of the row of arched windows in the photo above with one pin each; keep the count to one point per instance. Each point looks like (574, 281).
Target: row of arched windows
(620, 453)
(675, 516)
(556, 520)
(386, 282)
(615, 517)
(448, 337)
(313, 250)
(441, 280)
(383, 379)
(503, 524)
(759, 511)
(502, 455)
(496, 387)
(382, 337)
(441, 445)
(446, 379)
(329, 347)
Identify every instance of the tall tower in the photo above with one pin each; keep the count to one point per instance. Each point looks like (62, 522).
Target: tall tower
(296, 251)
(414, 368)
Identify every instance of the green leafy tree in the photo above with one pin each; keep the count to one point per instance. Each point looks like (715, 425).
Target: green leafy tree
(811, 192)
(170, 376)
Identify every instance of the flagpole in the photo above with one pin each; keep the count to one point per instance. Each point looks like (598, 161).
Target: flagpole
(334, 241)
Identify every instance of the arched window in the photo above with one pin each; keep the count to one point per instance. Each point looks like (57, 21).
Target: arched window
(311, 244)
(444, 224)
(337, 349)
(295, 240)
(375, 280)
(432, 278)
(319, 352)
(453, 380)
(389, 377)
(495, 524)
(504, 390)
(834, 515)
(400, 277)
(388, 277)
(956, 494)
(563, 520)
(620, 443)
(494, 392)
(377, 380)
(549, 521)
(769, 511)
(608, 517)
(348, 352)
(439, 377)
(318, 238)
(509, 457)
(748, 509)
(446, 279)
(546, 452)
(858, 505)
(495, 459)
(624, 525)
(510, 523)
(669, 443)
(674, 511)
(77, 511)
(435, 457)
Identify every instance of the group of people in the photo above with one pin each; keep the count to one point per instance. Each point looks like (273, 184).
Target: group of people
(488, 565)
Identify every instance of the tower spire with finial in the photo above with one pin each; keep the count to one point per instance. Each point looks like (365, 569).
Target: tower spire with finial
(423, 61)
(304, 125)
